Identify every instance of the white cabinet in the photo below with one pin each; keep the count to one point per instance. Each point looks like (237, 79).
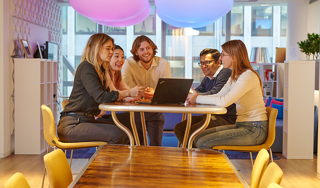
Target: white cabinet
(265, 71)
(298, 111)
(35, 84)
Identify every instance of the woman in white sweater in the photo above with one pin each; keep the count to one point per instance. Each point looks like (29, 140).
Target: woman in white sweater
(244, 88)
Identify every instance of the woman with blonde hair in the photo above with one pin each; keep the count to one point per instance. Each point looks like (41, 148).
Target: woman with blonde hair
(244, 88)
(78, 122)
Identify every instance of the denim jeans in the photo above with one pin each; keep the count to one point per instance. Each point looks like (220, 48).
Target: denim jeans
(241, 134)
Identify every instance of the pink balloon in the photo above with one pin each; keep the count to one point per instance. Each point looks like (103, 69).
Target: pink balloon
(109, 10)
(132, 21)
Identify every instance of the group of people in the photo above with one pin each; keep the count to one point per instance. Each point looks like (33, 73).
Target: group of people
(105, 76)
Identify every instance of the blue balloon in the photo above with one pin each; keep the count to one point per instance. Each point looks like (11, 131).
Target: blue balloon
(183, 24)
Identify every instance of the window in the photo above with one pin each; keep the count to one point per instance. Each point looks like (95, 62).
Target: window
(115, 30)
(84, 25)
(237, 21)
(283, 21)
(148, 26)
(64, 20)
(261, 24)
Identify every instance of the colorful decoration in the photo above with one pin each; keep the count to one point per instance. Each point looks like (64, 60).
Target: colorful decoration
(191, 13)
(116, 13)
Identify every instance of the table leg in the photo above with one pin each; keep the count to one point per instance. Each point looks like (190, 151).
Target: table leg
(144, 129)
(183, 118)
(134, 129)
(122, 127)
(186, 133)
(202, 128)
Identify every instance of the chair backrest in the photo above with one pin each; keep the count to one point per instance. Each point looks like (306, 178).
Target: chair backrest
(58, 169)
(259, 167)
(64, 103)
(272, 117)
(273, 174)
(17, 180)
(49, 127)
(274, 185)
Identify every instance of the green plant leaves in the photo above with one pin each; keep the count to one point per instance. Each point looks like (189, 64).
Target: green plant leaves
(311, 45)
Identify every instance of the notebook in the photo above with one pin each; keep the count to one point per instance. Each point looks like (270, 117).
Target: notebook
(170, 91)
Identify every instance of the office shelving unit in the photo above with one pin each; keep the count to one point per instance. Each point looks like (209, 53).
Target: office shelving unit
(298, 111)
(35, 84)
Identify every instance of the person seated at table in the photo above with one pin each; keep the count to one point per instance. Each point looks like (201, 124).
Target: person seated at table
(114, 77)
(145, 68)
(215, 78)
(77, 123)
(244, 88)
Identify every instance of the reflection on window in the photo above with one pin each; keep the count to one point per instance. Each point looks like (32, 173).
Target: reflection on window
(177, 65)
(84, 25)
(261, 24)
(148, 26)
(237, 21)
(115, 30)
(207, 30)
(283, 21)
(197, 73)
(64, 19)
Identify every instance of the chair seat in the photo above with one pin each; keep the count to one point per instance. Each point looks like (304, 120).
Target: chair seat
(77, 145)
(243, 148)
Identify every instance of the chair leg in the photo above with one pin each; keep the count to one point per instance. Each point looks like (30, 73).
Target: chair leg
(44, 173)
(251, 160)
(96, 148)
(71, 157)
(271, 154)
(179, 144)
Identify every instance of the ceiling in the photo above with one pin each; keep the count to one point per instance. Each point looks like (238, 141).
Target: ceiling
(237, 2)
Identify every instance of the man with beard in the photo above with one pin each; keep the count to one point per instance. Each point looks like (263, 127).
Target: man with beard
(144, 69)
(215, 78)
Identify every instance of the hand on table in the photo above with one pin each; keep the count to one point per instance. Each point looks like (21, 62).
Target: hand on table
(131, 99)
(137, 91)
(192, 96)
(148, 93)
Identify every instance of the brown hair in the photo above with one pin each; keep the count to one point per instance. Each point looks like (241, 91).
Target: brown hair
(117, 74)
(136, 44)
(238, 52)
(91, 53)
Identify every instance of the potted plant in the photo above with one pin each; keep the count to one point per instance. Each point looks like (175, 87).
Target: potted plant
(310, 46)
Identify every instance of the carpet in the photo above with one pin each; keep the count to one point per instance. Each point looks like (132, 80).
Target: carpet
(168, 140)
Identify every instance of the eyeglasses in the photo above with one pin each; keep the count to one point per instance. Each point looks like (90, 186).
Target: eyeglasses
(221, 55)
(204, 63)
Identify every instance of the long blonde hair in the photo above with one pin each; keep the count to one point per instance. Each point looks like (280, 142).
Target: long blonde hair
(91, 53)
(238, 52)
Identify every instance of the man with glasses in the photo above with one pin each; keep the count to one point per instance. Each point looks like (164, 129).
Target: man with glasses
(215, 78)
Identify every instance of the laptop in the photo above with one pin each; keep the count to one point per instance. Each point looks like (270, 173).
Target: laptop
(170, 91)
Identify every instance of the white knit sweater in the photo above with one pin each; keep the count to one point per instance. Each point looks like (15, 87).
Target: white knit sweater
(245, 93)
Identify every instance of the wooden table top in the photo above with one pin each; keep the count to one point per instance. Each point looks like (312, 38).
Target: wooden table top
(142, 166)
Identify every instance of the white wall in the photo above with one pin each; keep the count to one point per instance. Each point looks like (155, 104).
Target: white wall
(21, 19)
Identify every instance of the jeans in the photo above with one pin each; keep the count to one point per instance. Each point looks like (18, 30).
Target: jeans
(241, 134)
(197, 122)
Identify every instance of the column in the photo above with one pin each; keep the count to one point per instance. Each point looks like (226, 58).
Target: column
(247, 28)
(5, 76)
(297, 28)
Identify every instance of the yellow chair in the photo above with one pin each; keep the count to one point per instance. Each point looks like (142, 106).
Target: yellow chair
(272, 116)
(17, 180)
(274, 185)
(259, 167)
(57, 166)
(64, 103)
(273, 174)
(49, 131)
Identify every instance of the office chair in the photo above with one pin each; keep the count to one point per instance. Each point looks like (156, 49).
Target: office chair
(17, 180)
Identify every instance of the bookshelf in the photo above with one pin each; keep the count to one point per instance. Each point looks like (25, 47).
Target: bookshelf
(35, 84)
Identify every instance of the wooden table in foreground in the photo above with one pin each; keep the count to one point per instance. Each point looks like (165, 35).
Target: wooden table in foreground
(188, 109)
(142, 166)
